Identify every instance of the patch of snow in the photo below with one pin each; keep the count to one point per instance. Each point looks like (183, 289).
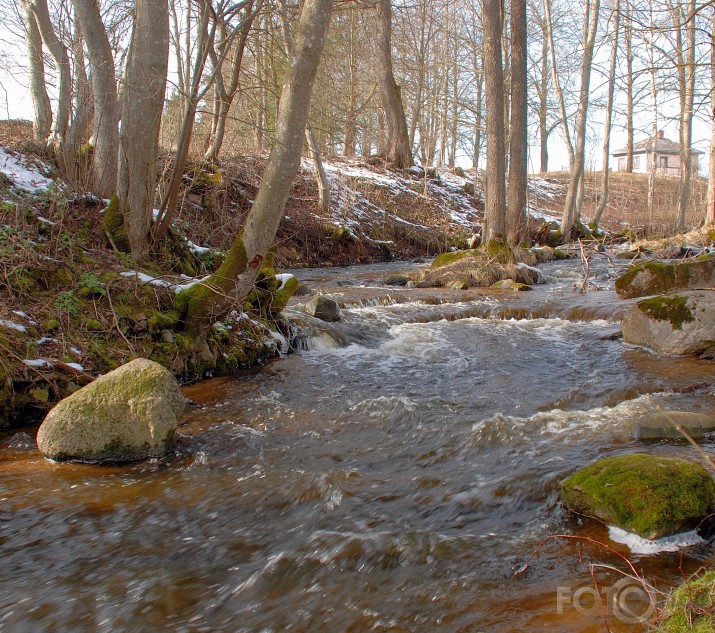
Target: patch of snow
(163, 283)
(11, 325)
(37, 362)
(23, 176)
(76, 351)
(24, 315)
(45, 221)
(283, 278)
(640, 545)
(199, 250)
(46, 339)
(76, 366)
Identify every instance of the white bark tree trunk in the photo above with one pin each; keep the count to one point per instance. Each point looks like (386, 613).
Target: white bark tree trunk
(710, 211)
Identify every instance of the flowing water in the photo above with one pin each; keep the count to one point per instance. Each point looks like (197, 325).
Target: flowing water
(398, 473)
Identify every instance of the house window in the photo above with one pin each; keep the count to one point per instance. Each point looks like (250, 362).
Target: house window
(664, 162)
(636, 162)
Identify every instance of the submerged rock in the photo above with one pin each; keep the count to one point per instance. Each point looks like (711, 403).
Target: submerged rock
(648, 495)
(126, 415)
(323, 308)
(662, 425)
(651, 278)
(682, 324)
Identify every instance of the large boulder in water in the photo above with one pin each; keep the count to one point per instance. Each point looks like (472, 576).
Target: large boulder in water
(652, 278)
(678, 325)
(649, 495)
(126, 415)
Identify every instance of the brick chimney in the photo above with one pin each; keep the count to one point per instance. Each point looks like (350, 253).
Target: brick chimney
(661, 135)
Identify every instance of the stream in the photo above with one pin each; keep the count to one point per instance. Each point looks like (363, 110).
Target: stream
(399, 472)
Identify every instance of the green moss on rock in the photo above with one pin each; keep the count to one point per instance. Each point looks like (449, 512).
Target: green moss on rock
(448, 258)
(650, 278)
(690, 607)
(673, 308)
(650, 495)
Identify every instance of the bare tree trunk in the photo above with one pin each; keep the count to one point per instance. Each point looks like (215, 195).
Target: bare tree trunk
(204, 304)
(142, 108)
(518, 140)
(399, 153)
(572, 208)
(710, 211)
(629, 87)
(80, 127)
(557, 82)
(103, 171)
(686, 80)
(225, 94)
(654, 112)
(495, 208)
(544, 107)
(38, 87)
(603, 204)
(321, 177)
(61, 58)
(478, 120)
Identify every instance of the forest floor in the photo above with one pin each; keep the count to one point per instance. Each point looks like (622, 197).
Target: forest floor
(72, 307)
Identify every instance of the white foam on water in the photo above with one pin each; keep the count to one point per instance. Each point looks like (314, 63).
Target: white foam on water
(639, 545)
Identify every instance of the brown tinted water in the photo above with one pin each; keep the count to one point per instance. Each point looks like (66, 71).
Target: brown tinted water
(396, 474)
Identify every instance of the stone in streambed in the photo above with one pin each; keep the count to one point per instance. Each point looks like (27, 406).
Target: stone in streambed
(648, 495)
(323, 308)
(126, 415)
(661, 425)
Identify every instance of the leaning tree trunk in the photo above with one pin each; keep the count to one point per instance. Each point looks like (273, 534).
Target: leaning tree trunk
(518, 141)
(142, 108)
(103, 171)
(572, 206)
(203, 304)
(399, 153)
(495, 209)
(38, 87)
(609, 115)
(59, 54)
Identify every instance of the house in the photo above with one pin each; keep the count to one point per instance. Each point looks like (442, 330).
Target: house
(667, 157)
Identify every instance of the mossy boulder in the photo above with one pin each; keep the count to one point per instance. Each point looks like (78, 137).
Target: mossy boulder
(649, 495)
(396, 279)
(662, 425)
(681, 324)
(651, 278)
(690, 607)
(126, 415)
(510, 284)
(449, 258)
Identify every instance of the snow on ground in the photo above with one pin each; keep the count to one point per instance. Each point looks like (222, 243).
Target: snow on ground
(11, 325)
(143, 278)
(23, 176)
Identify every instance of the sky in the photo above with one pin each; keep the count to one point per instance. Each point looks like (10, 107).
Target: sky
(15, 103)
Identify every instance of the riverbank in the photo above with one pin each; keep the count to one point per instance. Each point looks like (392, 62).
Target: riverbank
(72, 307)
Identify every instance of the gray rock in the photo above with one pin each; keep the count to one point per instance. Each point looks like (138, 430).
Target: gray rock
(323, 308)
(651, 278)
(126, 415)
(661, 425)
(677, 325)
